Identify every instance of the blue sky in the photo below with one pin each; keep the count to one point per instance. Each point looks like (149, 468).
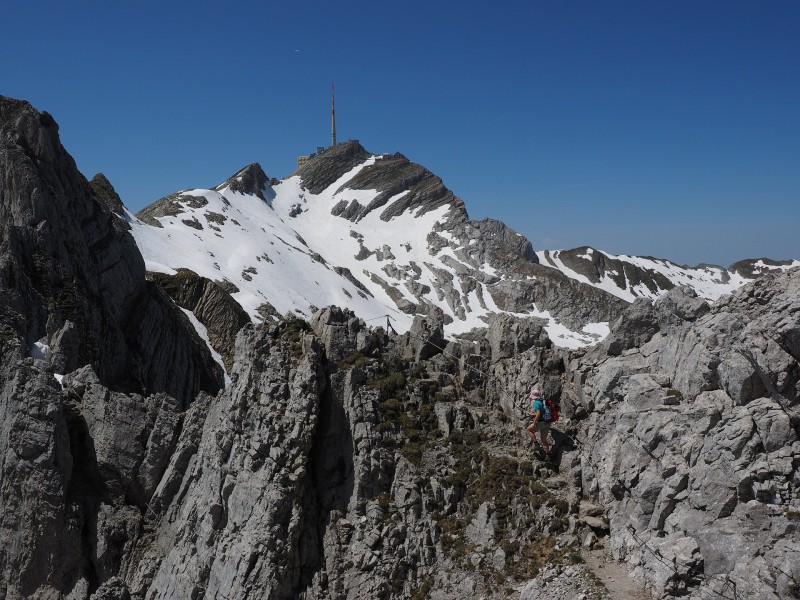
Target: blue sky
(669, 129)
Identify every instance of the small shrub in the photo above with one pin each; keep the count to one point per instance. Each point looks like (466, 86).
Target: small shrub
(413, 452)
(423, 589)
(356, 360)
(388, 383)
(390, 407)
(576, 558)
(383, 501)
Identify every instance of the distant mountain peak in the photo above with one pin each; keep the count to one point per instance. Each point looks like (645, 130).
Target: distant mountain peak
(379, 234)
(250, 180)
(324, 168)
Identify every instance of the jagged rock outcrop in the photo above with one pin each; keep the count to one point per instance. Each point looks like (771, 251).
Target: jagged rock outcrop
(691, 441)
(213, 306)
(106, 193)
(72, 278)
(635, 326)
(251, 181)
(248, 486)
(411, 187)
(330, 164)
(78, 464)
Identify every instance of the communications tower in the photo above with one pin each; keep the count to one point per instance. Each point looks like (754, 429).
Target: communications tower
(333, 118)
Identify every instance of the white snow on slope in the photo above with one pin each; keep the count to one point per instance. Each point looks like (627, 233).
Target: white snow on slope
(761, 267)
(203, 333)
(709, 282)
(288, 261)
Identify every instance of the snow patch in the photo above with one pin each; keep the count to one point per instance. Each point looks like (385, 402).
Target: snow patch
(203, 333)
(39, 350)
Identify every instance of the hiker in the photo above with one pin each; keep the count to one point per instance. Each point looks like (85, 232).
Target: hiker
(540, 422)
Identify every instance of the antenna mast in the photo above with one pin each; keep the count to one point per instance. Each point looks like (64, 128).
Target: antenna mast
(333, 118)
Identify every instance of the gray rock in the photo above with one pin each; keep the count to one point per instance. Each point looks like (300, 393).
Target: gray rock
(66, 257)
(687, 473)
(481, 530)
(634, 327)
(678, 305)
(222, 316)
(250, 181)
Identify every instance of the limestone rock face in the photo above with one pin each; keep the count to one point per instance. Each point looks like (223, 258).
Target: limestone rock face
(392, 176)
(330, 165)
(634, 327)
(72, 278)
(251, 180)
(246, 483)
(691, 441)
(97, 364)
(222, 316)
(106, 193)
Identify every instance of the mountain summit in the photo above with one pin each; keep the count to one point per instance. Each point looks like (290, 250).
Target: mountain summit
(376, 233)
(383, 236)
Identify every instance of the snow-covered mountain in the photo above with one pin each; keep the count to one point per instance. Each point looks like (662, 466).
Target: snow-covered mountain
(631, 277)
(383, 236)
(375, 233)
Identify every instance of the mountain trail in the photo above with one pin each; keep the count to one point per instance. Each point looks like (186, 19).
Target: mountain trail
(614, 576)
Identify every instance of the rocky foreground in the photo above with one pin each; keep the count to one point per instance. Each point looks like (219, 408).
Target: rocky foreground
(344, 461)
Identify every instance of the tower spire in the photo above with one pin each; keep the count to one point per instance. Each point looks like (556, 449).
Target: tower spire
(333, 118)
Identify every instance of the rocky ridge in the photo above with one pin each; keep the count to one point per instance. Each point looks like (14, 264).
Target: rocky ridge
(632, 277)
(345, 461)
(76, 306)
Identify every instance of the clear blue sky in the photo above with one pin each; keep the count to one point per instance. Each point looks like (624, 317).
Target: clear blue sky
(663, 128)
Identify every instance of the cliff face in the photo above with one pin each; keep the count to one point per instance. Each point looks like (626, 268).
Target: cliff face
(74, 302)
(72, 278)
(347, 462)
(691, 440)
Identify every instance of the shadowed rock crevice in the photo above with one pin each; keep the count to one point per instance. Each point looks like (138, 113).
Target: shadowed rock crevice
(213, 306)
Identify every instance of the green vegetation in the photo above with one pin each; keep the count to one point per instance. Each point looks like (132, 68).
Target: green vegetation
(405, 396)
(292, 332)
(597, 583)
(356, 360)
(576, 558)
(388, 383)
(506, 484)
(423, 589)
(410, 425)
(412, 451)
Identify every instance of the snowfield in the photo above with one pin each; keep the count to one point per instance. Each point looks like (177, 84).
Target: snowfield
(290, 252)
(287, 253)
(709, 282)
